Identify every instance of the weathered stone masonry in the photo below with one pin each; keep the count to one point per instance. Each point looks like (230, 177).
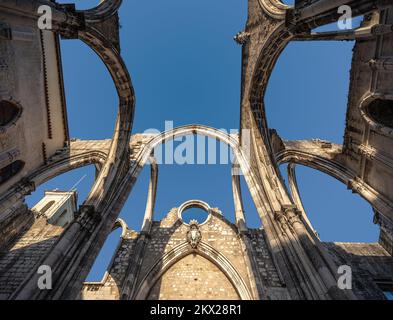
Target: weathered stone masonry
(170, 259)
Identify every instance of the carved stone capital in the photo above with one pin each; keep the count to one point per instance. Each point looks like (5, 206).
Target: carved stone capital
(26, 187)
(280, 217)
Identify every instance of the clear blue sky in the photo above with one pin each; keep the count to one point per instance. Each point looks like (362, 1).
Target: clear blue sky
(185, 68)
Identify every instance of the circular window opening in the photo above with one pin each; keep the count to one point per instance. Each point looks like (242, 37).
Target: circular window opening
(8, 112)
(194, 213)
(381, 111)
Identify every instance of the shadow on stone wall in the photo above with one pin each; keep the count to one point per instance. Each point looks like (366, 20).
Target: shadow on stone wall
(370, 264)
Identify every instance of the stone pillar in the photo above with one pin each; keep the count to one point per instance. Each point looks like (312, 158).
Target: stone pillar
(324, 267)
(296, 195)
(151, 198)
(238, 202)
(386, 235)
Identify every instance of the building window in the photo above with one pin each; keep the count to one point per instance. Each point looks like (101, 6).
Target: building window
(381, 111)
(47, 206)
(11, 170)
(9, 112)
(388, 295)
(387, 288)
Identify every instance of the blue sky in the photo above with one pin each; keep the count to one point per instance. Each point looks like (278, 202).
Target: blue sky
(185, 68)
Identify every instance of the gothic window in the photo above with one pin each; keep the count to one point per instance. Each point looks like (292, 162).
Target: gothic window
(11, 170)
(387, 289)
(388, 294)
(8, 112)
(47, 206)
(381, 111)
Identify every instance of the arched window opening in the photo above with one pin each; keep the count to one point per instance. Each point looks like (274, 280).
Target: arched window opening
(309, 110)
(336, 214)
(79, 180)
(134, 208)
(9, 111)
(47, 207)
(103, 261)
(77, 95)
(381, 111)
(250, 211)
(11, 170)
(202, 172)
(207, 178)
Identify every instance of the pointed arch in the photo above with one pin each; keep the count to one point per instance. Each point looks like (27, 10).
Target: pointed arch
(161, 266)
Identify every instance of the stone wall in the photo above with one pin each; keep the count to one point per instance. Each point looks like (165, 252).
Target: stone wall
(192, 273)
(21, 257)
(370, 263)
(193, 278)
(11, 227)
(31, 77)
(110, 286)
(261, 254)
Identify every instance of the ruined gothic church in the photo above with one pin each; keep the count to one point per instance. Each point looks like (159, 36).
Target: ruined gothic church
(173, 258)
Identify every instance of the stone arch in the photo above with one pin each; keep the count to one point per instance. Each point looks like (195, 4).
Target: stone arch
(67, 164)
(274, 8)
(172, 257)
(359, 208)
(241, 155)
(338, 171)
(64, 164)
(228, 139)
(104, 10)
(194, 204)
(120, 223)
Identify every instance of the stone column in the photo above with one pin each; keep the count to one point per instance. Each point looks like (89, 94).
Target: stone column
(238, 202)
(324, 267)
(151, 198)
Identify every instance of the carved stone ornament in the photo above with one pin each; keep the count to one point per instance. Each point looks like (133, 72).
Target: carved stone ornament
(194, 235)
